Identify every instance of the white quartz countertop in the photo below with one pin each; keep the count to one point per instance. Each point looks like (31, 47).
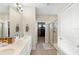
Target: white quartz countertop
(17, 46)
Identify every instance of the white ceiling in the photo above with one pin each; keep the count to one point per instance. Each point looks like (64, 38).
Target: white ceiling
(4, 7)
(46, 8)
(41, 8)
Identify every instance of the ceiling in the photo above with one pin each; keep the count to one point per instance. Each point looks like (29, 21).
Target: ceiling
(46, 8)
(4, 7)
(41, 8)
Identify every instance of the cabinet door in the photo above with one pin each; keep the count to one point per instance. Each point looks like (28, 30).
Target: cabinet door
(68, 30)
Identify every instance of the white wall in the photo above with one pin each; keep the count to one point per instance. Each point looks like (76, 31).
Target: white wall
(29, 17)
(3, 16)
(68, 36)
(14, 18)
(48, 18)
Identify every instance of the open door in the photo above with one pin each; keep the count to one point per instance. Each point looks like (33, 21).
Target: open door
(41, 31)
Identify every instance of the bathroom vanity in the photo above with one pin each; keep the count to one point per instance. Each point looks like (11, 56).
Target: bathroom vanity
(21, 46)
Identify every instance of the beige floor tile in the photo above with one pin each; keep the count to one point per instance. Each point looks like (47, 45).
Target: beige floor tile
(41, 51)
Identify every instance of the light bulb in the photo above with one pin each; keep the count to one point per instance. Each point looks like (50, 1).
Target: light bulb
(19, 5)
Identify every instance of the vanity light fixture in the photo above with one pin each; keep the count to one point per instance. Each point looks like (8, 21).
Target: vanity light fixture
(22, 9)
(19, 7)
(17, 3)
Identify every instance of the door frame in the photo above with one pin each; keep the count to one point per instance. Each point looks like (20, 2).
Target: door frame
(37, 29)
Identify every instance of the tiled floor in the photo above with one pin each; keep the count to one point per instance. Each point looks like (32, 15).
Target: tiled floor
(40, 50)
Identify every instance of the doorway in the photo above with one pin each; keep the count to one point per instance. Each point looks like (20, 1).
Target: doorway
(41, 32)
(53, 33)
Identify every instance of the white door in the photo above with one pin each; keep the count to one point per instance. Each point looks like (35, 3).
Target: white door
(51, 40)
